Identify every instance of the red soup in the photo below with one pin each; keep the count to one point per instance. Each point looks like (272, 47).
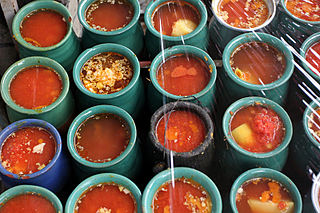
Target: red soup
(257, 63)
(263, 195)
(184, 196)
(43, 28)
(257, 128)
(175, 18)
(28, 203)
(314, 124)
(181, 131)
(106, 198)
(313, 56)
(27, 150)
(243, 13)
(102, 137)
(183, 75)
(35, 87)
(308, 10)
(109, 15)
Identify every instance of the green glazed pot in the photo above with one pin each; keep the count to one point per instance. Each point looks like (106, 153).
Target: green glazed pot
(127, 163)
(179, 172)
(130, 98)
(315, 194)
(98, 179)
(156, 42)
(130, 36)
(240, 159)
(221, 33)
(267, 173)
(156, 93)
(293, 29)
(65, 52)
(237, 88)
(26, 189)
(314, 38)
(305, 147)
(59, 113)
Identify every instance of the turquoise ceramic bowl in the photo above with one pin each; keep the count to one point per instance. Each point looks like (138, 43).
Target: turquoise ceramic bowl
(127, 163)
(156, 93)
(65, 52)
(267, 173)
(156, 42)
(276, 91)
(179, 172)
(240, 159)
(130, 36)
(26, 189)
(315, 192)
(305, 147)
(130, 98)
(59, 113)
(293, 29)
(98, 179)
(221, 32)
(314, 38)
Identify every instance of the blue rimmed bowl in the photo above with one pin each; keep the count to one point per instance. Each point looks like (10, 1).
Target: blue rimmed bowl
(130, 98)
(54, 175)
(65, 52)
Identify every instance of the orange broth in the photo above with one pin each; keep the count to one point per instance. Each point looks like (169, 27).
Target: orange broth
(181, 197)
(263, 193)
(109, 15)
(106, 197)
(257, 63)
(313, 56)
(170, 15)
(183, 75)
(257, 128)
(35, 87)
(27, 150)
(181, 131)
(243, 13)
(308, 10)
(43, 28)
(102, 137)
(314, 124)
(28, 203)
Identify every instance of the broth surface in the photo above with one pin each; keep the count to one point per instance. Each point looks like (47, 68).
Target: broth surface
(243, 13)
(102, 137)
(263, 195)
(106, 73)
(308, 10)
(313, 56)
(175, 18)
(186, 196)
(109, 15)
(257, 63)
(183, 75)
(181, 131)
(43, 28)
(257, 129)
(28, 203)
(314, 124)
(106, 198)
(27, 150)
(35, 87)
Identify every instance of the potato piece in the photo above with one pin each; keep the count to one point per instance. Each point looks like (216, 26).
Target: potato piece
(183, 27)
(258, 206)
(243, 135)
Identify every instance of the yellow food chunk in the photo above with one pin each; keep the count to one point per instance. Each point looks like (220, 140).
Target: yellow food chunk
(245, 76)
(258, 206)
(183, 27)
(243, 135)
